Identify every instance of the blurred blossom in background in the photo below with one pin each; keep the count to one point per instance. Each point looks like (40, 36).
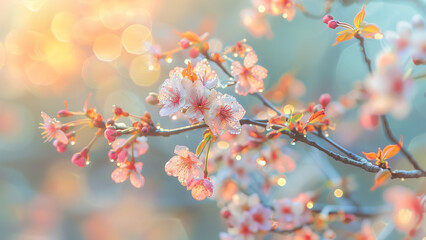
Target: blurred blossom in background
(56, 50)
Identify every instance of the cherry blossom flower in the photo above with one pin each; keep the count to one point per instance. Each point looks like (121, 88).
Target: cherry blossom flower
(52, 129)
(123, 148)
(389, 89)
(224, 115)
(199, 99)
(201, 72)
(305, 233)
(408, 209)
(244, 228)
(249, 77)
(286, 8)
(291, 213)
(185, 165)
(206, 75)
(172, 94)
(256, 23)
(129, 169)
(200, 188)
(409, 40)
(262, 216)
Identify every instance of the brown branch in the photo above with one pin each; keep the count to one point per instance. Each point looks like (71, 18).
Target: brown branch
(361, 43)
(340, 148)
(392, 138)
(361, 163)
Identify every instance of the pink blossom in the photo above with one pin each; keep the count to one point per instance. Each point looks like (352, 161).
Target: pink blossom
(245, 227)
(408, 209)
(286, 8)
(199, 100)
(172, 94)
(185, 165)
(273, 154)
(52, 129)
(389, 89)
(131, 169)
(206, 75)
(262, 216)
(256, 23)
(200, 188)
(202, 72)
(291, 213)
(225, 115)
(249, 77)
(123, 148)
(305, 233)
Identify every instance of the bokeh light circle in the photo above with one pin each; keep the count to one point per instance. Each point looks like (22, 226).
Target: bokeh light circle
(62, 26)
(107, 47)
(134, 38)
(113, 14)
(139, 72)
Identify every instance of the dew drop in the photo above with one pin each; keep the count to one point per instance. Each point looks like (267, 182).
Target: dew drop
(293, 143)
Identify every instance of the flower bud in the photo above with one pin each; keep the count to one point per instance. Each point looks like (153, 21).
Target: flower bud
(152, 99)
(79, 160)
(110, 134)
(324, 100)
(332, 24)
(60, 146)
(145, 130)
(194, 52)
(184, 43)
(327, 18)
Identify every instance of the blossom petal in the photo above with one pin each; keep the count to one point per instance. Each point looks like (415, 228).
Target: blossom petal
(371, 31)
(120, 175)
(250, 60)
(137, 179)
(60, 135)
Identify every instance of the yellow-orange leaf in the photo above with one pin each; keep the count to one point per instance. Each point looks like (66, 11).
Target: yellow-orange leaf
(316, 116)
(359, 17)
(371, 31)
(344, 37)
(370, 156)
(391, 150)
(381, 178)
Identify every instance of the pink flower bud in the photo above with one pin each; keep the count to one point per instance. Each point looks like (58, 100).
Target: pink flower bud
(332, 24)
(194, 52)
(60, 147)
(110, 134)
(184, 43)
(145, 130)
(118, 111)
(324, 100)
(327, 18)
(79, 160)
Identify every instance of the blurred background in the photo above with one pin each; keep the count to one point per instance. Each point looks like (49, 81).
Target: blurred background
(56, 50)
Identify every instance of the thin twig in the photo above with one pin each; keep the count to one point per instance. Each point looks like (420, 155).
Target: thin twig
(361, 43)
(392, 138)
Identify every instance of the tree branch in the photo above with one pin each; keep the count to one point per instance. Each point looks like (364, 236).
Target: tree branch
(392, 138)
(361, 163)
